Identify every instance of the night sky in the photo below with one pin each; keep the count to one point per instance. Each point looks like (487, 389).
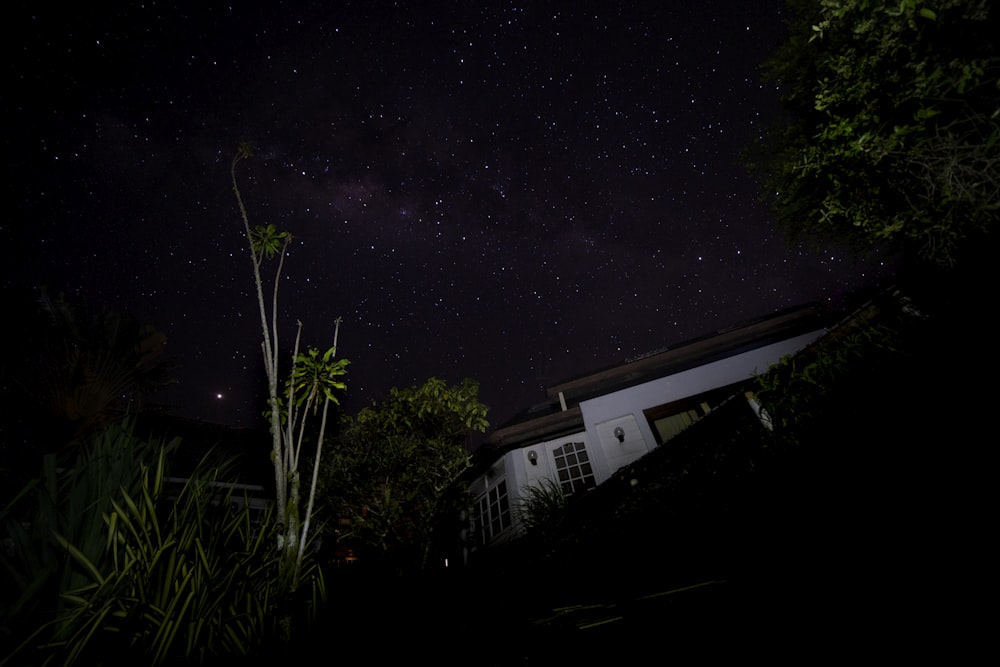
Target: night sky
(515, 192)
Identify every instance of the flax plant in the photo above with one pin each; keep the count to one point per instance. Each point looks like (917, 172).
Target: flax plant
(190, 583)
(154, 573)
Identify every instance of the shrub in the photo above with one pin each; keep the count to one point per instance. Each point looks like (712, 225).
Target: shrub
(163, 574)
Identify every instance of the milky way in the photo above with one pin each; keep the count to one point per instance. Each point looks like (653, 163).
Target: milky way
(513, 192)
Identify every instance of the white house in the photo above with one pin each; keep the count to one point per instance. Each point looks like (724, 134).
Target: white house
(597, 423)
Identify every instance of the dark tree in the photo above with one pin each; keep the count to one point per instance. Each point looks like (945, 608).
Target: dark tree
(892, 133)
(390, 476)
(73, 369)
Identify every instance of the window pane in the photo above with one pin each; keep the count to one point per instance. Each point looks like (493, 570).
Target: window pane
(573, 470)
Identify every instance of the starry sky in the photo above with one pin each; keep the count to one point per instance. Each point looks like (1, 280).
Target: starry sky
(516, 192)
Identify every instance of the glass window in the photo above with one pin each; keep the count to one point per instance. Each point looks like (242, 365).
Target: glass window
(493, 512)
(573, 468)
(669, 419)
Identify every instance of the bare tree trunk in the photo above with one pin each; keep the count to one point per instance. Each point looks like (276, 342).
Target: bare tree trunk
(312, 495)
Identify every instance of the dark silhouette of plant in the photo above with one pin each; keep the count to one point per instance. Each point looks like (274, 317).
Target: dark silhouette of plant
(72, 372)
(541, 508)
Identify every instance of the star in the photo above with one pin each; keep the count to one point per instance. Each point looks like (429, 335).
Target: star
(536, 211)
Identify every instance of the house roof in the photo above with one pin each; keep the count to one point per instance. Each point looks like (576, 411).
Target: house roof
(549, 422)
(561, 413)
(250, 449)
(697, 352)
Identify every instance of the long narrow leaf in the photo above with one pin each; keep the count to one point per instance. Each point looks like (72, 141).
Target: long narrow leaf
(80, 558)
(165, 638)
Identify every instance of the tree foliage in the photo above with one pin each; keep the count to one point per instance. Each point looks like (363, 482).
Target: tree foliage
(390, 475)
(893, 129)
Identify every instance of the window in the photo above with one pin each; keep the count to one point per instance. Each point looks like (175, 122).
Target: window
(669, 419)
(492, 513)
(573, 468)
(669, 426)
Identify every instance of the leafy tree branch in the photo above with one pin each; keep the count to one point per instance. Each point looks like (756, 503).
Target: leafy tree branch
(892, 135)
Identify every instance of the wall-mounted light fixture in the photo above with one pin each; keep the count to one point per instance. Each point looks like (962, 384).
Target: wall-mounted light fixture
(620, 434)
(532, 457)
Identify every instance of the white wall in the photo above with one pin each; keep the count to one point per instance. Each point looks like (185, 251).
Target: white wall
(516, 468)
(625, 408)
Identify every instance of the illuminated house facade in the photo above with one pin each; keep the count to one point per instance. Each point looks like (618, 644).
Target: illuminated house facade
(593, 425)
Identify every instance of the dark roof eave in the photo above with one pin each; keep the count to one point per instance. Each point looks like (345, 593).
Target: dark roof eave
(534, 430)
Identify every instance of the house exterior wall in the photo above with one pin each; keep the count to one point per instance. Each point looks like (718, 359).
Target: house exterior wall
(545, 466)
(517, 470)
(624, 409)
(503, 471)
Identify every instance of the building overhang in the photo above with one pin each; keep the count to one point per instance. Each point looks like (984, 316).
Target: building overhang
(545, 427)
